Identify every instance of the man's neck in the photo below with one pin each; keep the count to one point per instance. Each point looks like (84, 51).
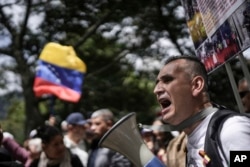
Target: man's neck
(73, 138)
(191, 128)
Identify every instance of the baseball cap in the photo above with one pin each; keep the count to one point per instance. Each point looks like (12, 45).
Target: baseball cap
(76, 118)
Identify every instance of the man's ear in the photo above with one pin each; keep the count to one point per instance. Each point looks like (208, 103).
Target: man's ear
(109, 123)
(198, 84)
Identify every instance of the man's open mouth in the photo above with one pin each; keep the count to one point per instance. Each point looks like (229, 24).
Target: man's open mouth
(165, 103)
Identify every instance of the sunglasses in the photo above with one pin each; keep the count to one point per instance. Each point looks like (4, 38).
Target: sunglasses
(244, 93)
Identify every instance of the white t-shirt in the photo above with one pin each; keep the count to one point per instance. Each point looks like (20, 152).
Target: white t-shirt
(76, 149)
(235, 135)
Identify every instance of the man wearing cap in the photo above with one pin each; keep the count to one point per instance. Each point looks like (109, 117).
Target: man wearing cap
(75, 134)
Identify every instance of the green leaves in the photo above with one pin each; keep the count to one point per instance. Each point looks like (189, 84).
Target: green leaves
(103, 34)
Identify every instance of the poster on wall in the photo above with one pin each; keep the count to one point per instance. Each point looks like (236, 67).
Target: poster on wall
(219, 29)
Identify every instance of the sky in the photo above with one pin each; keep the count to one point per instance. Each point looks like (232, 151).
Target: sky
(13, 80)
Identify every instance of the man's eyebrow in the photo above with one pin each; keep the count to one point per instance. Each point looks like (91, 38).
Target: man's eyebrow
(163, 78)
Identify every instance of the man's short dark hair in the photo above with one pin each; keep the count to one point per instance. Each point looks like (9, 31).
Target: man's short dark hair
(198, 67)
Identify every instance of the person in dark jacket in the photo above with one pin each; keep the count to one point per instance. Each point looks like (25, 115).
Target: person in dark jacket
(5, 157)
(54, 152)
(101, 121)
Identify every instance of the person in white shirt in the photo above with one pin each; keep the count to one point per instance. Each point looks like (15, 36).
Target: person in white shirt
(182, 92)
(75, 134)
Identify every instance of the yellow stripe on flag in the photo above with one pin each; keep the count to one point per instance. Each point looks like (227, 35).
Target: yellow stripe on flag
(63, 56)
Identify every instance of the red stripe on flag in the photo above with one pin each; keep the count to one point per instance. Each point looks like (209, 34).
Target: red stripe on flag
(42, 87)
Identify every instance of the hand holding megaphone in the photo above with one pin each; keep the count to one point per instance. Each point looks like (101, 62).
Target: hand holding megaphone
(124, 137)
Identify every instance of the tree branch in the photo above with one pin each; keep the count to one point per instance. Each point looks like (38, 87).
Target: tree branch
(4, 19)
(5, 52)
(25, 22)
(92, 29)
(121, 55)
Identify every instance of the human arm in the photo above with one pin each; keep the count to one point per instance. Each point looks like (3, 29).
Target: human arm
(18, 152)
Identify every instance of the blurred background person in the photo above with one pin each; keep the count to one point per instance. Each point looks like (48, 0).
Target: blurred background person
(100, 122)
(64, 126)
(52, 120)
(244, 92)
(149, 139)
(162, 139)
(54, 152)
(4, 154)
(75, 135)
(23, 154)
(6, 159)
(89, 134)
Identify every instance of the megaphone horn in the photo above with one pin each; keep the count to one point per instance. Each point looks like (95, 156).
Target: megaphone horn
(124, 137)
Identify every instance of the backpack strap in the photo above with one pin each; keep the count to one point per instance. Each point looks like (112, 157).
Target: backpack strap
(212, 139)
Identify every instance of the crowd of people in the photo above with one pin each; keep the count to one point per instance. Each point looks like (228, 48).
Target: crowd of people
(75, 144)
(182, 92)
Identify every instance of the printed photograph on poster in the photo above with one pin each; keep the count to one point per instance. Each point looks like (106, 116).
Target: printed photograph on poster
(220, 47)
(241, 18)
(222, 36)
(194, 22)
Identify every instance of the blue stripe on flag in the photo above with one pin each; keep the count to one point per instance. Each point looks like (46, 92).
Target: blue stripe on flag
(60, 76)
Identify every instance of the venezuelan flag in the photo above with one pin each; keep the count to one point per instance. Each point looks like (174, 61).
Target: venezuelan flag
(59, 72)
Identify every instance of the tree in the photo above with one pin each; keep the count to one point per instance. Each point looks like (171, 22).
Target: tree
(17, 117)
(110, 36)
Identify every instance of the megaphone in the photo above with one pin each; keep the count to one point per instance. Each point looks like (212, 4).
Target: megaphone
(124, 137)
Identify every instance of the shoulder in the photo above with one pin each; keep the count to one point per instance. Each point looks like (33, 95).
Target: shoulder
(236, 125)
(235, 132)
(224, 117)
(239, 119)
